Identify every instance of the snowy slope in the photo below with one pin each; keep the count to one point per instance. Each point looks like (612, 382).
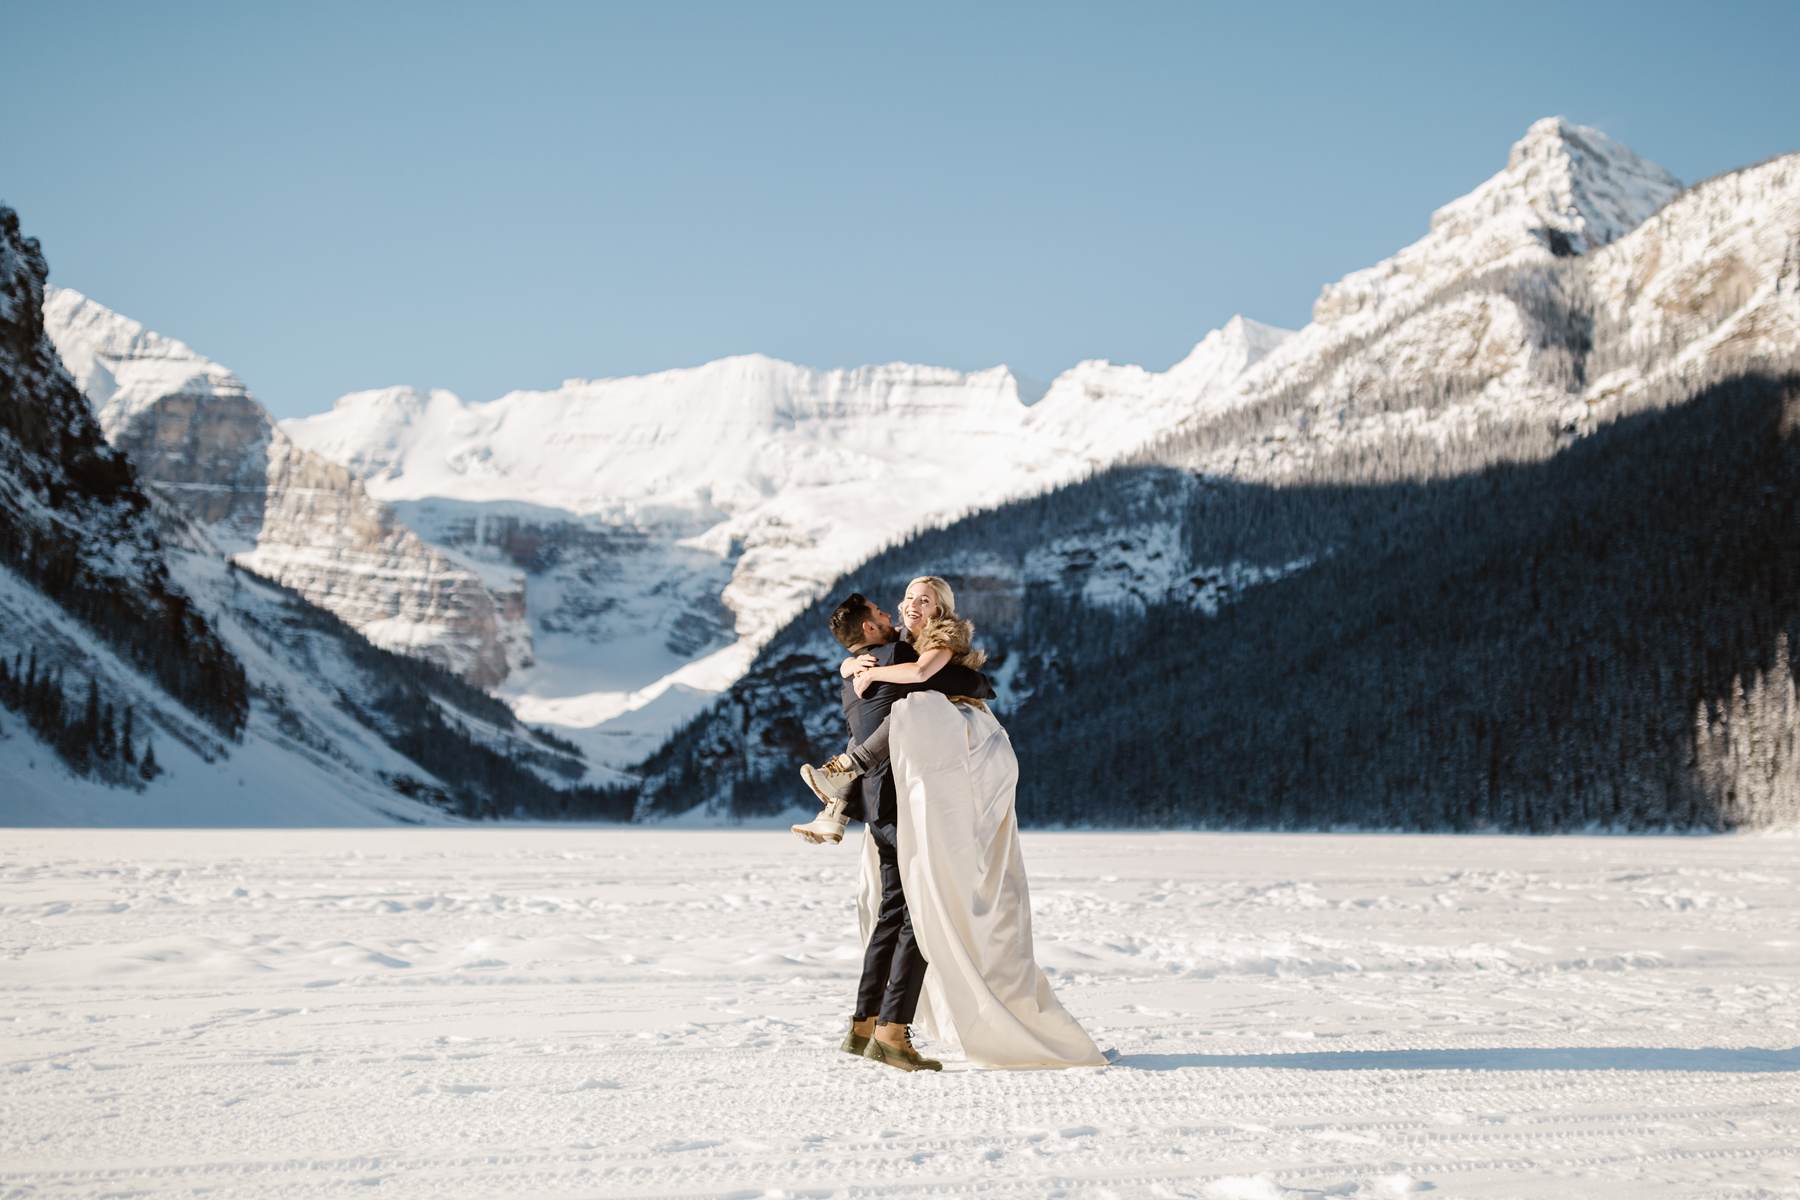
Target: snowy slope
(124, 369)
(1103, 410)
(299, 763)
(1714, 276)
(316, 748)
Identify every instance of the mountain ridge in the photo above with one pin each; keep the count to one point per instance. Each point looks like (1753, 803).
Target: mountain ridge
(1526, 352)
(1573, 288)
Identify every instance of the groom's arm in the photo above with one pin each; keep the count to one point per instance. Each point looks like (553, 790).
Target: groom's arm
(874, 703)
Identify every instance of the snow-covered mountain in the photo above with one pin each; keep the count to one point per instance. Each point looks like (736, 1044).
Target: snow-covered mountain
(1463, 325)
(1578, 286)
(1489, 318)
(91, 607)
(1566, 190)
(1422, 323)
(614, 550)
(649, 538)
(642, 537)
(192, 428)
(146, 679)
(669, 523)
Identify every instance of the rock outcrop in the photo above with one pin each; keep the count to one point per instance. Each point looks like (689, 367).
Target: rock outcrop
(192, 429)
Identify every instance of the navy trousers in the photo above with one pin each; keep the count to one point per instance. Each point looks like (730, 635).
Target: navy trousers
(893, 969)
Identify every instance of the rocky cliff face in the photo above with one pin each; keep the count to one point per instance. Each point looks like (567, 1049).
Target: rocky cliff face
(74, 522)
(192, 429)
(1715, 273)
(322, 536)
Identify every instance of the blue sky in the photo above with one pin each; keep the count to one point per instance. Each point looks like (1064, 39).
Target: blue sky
(328, 197)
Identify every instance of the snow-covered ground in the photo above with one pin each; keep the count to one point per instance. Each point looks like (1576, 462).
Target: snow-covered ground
(613, 1012)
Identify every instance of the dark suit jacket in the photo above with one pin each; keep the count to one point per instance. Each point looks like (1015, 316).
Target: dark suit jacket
(865, 713)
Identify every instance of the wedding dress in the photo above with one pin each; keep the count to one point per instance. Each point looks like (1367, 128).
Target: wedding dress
(955, 777)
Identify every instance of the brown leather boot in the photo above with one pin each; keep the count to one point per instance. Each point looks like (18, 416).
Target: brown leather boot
(854, 1042)
(902, 1055)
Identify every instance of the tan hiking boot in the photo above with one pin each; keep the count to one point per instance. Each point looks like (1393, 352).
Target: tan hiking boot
(832, 781)
(854, 1042)
(828, 826)
(904, 1056)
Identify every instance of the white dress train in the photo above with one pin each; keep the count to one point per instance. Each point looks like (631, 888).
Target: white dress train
(955, 778)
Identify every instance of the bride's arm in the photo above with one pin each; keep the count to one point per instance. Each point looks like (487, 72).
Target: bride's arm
(855, 663)
(929, 664)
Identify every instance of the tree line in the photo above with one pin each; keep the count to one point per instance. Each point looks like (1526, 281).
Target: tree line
(93, 738)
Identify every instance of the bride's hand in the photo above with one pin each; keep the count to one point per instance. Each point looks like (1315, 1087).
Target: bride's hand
(863, 682)
(855, 663)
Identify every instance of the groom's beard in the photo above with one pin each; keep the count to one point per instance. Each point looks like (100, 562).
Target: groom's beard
(892, 635)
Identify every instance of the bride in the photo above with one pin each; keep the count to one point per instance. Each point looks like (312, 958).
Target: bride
(964, 879)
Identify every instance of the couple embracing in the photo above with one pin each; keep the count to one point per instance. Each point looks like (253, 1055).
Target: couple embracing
(932, 775)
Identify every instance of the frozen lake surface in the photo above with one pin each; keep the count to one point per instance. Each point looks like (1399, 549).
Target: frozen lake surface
(595, 1012)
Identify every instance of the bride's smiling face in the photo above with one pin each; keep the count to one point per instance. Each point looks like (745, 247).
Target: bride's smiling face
(921, 605)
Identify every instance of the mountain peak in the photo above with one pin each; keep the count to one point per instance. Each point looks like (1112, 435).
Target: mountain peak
(1235, 346)
(1550, 131)
(123, 367)
(1587, 186)
(1570, 187)
(1566, 189)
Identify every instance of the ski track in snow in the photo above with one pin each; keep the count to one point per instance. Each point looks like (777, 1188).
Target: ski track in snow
(630, 1012)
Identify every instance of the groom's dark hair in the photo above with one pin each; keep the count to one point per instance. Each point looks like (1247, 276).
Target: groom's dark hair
(848, 617)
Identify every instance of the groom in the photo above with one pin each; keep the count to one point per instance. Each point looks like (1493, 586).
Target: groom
(893, 968)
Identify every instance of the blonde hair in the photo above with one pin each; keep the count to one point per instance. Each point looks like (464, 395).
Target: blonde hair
(940, 587)
(947, 630)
